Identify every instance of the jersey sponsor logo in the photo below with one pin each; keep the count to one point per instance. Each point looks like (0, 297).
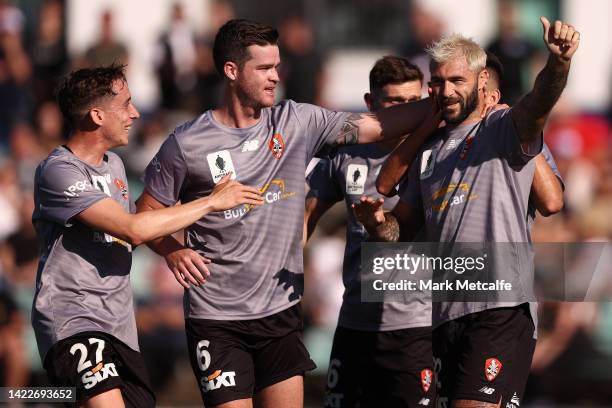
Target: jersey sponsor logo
(272, 192)
(426, 379)
(75, 189)
(424, 402)
(492, 368)
(220, 164)
(92, 375)
(460, 194)
(250, 145)
(515, 402)
(217, 380)
(277, 146)
(428, 160)
(356, 176)
(487, 390)
(121, 187)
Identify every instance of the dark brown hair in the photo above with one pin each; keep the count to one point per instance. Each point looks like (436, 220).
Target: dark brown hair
(393, 70)
(80, 89)
(235, 36)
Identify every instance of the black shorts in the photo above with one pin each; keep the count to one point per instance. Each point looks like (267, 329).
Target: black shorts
(95, 362)
(381, 369)
(233, 359)
(484, 356)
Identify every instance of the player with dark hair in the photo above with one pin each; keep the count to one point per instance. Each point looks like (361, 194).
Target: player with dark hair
(244, 327)
(471, 182)
(82, 314)
(392, 340)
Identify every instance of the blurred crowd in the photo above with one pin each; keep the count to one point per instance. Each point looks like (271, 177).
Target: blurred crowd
(574, 353)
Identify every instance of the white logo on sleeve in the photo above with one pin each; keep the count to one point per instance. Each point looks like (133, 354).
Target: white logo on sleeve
(428, 161)
(356, 176)
(220, 164)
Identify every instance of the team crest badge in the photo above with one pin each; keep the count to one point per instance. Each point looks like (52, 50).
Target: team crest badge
(426, 379)
(277, 146)
(492, 368)
(122, 187)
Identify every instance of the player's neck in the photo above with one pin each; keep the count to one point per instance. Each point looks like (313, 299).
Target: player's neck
(235, 114)
(88, 147)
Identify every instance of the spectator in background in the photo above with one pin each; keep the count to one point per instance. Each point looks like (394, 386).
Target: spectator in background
(13, 364)
(209, 85)
(107, 50)
(176, 59)
(48, 50)
(425, 29)
(302, 65)
(15, 71)
(514, 51)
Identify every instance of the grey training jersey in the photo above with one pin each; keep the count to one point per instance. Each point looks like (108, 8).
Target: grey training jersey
(348, 175)
(83, 281)
(257, 267)
(473, 183)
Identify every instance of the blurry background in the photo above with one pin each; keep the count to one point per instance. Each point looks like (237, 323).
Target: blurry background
(328, 48)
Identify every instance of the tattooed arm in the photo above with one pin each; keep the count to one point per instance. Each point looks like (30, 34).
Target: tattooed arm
(401, 224)
(531, 112)
(388, 123)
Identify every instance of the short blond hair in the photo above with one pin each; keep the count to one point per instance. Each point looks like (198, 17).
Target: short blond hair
(455, 45)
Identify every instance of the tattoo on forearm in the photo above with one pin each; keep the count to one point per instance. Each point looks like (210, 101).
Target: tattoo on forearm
(349, 134)
(388, 231)
(536, 105)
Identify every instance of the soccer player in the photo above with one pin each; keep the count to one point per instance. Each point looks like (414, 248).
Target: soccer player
(471, 183)
(244, 326)
(82, 314)
(391, 341)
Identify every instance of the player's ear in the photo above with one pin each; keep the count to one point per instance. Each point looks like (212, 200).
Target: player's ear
(483, 78)
(367, 98)
(96, 115)
(495, 96)
(230, 69)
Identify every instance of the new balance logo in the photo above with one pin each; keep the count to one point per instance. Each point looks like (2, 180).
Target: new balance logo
(487, 390)
(250, 145)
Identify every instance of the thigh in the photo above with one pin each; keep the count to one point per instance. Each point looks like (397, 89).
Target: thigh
(277, 348)
(221, 361)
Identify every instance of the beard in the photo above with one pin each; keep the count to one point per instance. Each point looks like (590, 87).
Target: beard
(466, 107)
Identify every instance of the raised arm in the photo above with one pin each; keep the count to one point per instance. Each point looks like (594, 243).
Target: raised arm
(531, 112)
(388, 123)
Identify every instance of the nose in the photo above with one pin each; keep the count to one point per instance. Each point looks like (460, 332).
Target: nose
(134, 114)
(274, 76)
(448, 89)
